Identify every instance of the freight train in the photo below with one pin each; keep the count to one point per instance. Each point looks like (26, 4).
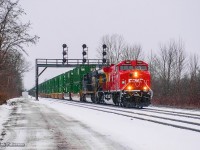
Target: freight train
(127, 84)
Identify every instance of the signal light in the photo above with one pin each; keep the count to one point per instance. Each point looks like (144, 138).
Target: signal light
(84, 53)
(65, 53)
(64, 45)
(84, 46)
(104, 46)
(84, 60)
(104, 53)
(64, 60)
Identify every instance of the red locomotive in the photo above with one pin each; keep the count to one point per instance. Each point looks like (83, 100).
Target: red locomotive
(126, 83)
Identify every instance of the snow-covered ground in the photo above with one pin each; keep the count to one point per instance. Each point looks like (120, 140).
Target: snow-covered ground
(133, 133)
(128, 132)
(5, 110)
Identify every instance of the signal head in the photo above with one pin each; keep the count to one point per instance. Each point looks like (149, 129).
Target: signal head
(84, 46)
(104, 46)
(64, 45)
(104, 60)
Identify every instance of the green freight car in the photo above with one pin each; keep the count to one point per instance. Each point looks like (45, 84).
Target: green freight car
(78, 74)
(67, 84)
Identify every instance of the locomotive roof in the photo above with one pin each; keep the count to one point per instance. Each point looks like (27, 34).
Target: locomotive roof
(132, 62)
(125, 62)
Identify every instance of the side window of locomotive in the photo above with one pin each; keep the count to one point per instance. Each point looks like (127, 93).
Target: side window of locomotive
(141, 68)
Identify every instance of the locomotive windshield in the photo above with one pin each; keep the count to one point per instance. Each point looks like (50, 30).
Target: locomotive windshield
(126, 67)
(141, 67)
(129, 67)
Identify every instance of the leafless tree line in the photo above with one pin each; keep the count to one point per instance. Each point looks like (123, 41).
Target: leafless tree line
(118, 50)
(175, 76)
(13, 37)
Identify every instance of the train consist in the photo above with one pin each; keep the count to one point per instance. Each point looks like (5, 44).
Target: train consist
(127, 84)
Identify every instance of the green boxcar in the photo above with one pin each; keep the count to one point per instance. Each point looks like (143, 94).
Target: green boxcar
(78, 74)
(69, 81)
(61, 84)
(56, 89)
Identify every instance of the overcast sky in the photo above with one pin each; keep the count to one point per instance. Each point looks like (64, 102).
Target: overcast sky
(75, 22)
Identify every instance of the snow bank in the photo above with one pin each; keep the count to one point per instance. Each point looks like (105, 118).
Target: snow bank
(5, 110)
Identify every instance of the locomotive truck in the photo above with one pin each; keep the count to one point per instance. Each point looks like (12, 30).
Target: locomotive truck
(127, 84)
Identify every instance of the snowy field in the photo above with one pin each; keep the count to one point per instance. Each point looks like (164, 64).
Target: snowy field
(128, 132)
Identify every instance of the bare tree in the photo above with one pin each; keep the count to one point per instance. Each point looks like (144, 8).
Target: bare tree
(167, 56)
(168, 67)
(133, 52)
(13, 33)
(115, 44)
(13, 37)
(153, 62)
(193, 68)
(178, 68)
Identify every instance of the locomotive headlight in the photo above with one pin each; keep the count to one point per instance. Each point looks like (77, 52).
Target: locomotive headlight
(129, 87)
(135, 74)
(145, 88)
(123, 82)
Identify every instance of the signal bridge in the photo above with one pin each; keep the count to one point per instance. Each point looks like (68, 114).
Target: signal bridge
(68, 63)
(65, 62)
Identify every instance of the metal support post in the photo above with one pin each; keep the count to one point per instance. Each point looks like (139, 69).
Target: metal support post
(36, 80)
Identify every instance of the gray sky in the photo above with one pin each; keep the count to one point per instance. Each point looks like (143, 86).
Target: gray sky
(75, 22)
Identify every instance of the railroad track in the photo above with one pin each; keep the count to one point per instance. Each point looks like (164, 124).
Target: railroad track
(163, 117)
(181, 114)
(153, 110)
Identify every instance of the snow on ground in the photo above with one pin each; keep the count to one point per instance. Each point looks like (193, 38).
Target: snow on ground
(5, 110)
(4, 113)
(130, 132)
